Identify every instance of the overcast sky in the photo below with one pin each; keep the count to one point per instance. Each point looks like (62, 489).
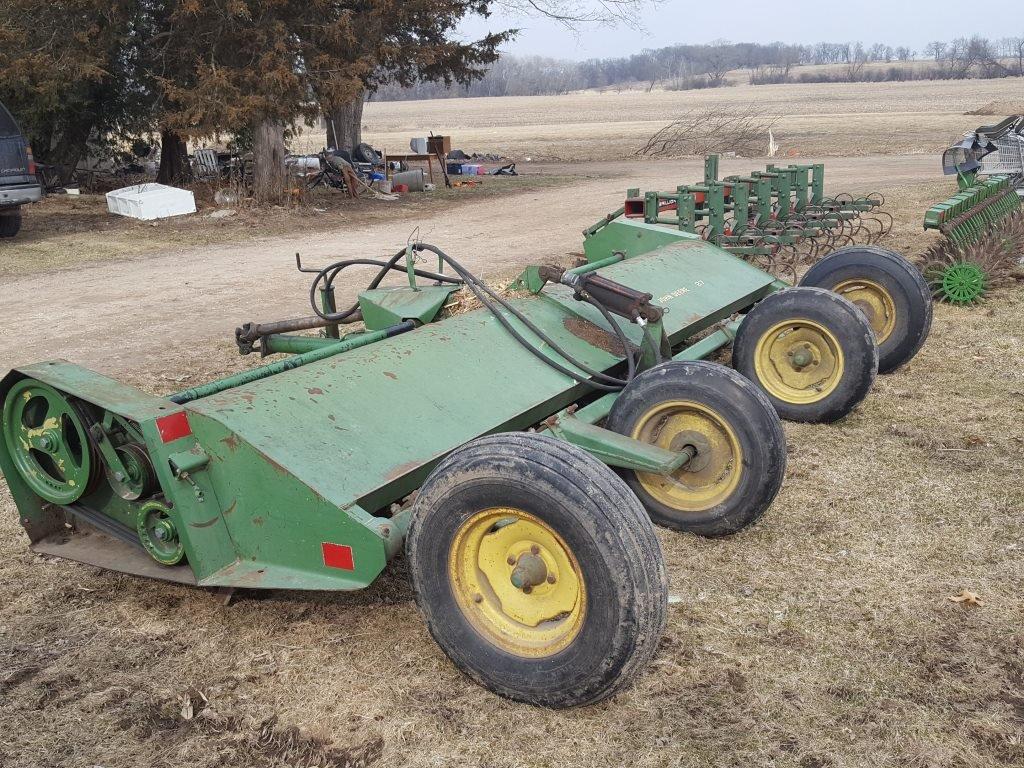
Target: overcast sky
(913, 23)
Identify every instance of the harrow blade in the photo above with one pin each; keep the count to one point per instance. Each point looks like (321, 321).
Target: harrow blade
(966, 216)
(963, 274)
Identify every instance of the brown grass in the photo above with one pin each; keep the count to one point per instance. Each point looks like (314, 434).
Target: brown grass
(823, 636)
(814, 119)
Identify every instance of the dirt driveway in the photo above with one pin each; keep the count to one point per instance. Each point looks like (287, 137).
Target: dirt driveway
(145, 311)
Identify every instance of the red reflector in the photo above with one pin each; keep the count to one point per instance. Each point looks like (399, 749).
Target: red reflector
(338, 556)
(173, 427)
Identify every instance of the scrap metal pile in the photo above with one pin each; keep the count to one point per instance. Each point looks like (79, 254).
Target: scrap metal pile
(778, 218)
(983, 223)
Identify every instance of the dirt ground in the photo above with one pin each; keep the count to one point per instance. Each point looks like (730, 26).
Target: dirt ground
(823, 636)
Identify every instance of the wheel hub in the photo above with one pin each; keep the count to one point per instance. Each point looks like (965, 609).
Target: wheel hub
(530, 571)
(874, 301)
(714, 471)
(802, 357)
(517, 581)
(799, 361)
(701, 445)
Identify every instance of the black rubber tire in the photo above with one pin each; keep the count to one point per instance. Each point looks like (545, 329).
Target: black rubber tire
(10, 222)
(846, 323)
(364, 153)
(747, 411)
(902, 281)
(601, 522)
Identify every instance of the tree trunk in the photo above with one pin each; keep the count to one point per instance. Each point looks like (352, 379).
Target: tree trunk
(345, 124)
(174, 165)
(270, 178)
(64, 149)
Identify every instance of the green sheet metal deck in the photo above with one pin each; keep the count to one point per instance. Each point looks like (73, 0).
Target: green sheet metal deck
(363, 428)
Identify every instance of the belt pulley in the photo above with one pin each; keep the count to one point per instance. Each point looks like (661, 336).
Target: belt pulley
(47, 436)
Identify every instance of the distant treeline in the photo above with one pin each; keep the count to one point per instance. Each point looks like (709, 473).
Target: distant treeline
(681, 67)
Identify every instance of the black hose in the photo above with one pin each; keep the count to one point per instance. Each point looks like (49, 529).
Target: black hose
(385, 267)
(491, 300)
(488, 297)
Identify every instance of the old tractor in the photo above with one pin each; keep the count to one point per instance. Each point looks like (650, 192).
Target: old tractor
(982, 224)
(517, 453)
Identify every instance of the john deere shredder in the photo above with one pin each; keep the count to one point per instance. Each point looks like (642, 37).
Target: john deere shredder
(516, 452)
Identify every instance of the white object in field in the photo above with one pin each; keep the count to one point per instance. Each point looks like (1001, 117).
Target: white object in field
(418, 146)
(150, 201)
(772, 146)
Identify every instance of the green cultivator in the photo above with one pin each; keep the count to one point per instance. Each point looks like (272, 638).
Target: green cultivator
(982, 225)
(777, 218)
(517, 453)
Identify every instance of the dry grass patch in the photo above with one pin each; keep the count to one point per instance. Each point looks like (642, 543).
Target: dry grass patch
(824, 636)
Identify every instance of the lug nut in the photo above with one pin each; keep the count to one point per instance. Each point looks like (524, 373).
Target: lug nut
(527, 589)
(535, 549)
(511, 560)
(551, 578)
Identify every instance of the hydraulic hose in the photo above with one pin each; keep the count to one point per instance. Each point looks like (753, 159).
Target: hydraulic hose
(494, 303)
(331, 271)
(491, 300)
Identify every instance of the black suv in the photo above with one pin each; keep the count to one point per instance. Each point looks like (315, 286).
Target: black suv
(18, 183)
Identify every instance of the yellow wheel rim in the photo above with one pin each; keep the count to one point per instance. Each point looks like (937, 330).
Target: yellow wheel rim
(799, 361)
(714, 472)
(517, 582)
(874, 301)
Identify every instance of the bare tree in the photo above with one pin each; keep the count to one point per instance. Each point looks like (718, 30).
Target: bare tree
(857, 61)
(703, 130)
(1013, 48)
(936, 49)
(572, 13)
